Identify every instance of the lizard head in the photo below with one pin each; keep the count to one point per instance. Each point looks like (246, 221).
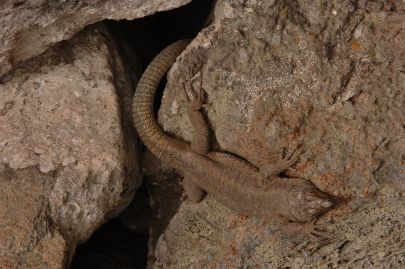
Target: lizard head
(305, 201)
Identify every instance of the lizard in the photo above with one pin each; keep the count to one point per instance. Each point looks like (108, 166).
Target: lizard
(231, 180)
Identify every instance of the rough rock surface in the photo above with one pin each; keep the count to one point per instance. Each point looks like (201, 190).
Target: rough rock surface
(68, 153)
(325, 74)
(30, 27)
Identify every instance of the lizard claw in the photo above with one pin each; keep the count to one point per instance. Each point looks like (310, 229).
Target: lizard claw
(316, 235)
(315, 231)
(309, 229)
(284, 163)
(293, 157)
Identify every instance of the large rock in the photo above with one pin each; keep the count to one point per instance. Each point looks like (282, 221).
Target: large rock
(30, 27)
(68, 152)
(325, 74)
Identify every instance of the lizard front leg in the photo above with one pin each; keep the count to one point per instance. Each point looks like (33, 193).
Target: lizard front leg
(272, 169)
(310, 229)
(200, 141)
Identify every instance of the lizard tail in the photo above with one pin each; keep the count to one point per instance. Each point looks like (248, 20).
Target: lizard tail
(144, 119)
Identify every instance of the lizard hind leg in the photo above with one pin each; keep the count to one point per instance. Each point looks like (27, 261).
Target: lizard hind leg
(200, 142)
(194, 95)
(201, 138)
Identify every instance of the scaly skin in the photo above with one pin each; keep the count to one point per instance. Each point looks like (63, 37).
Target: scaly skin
(231, 180)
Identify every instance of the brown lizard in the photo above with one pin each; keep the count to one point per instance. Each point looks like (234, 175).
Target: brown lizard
(231, 180)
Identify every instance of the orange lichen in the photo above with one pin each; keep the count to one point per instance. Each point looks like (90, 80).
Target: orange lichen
(355, 45)
(305, 166)
(331, 183)
(342, 210)
(237, 218)
(232, 250)
(312, 35)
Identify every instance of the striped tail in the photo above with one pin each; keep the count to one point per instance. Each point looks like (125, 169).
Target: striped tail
(145, 122)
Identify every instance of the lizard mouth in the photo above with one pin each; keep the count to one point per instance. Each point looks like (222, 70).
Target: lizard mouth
(307, 202)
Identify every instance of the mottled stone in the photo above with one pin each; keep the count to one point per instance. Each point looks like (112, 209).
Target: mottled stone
(30, 27)
(68, 151)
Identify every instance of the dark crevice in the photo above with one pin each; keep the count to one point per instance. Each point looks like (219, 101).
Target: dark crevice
(112, 246)
(122, 242)
(149, 35)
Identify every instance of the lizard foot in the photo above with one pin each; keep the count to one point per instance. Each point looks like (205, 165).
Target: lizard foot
(194, 96)
(309, 247)
(310, 230)
(316, 236)
(283, 163)
(315, 231)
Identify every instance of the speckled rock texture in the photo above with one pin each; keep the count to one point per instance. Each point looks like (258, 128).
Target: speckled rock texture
(30, 27)
(68, 152)
(328, 75)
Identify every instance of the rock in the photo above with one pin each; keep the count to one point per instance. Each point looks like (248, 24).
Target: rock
(209, 234)
(326, 75)
(30, 27)
(68, 152)
(28, 237)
